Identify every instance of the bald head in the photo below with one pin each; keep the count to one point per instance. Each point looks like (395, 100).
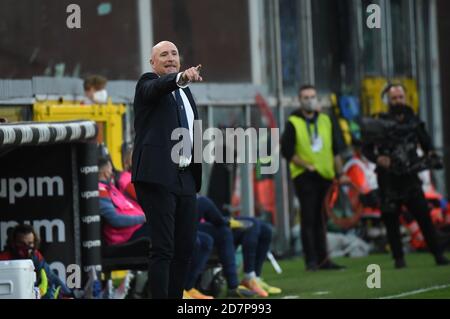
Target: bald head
(165, 58)
(163, 45)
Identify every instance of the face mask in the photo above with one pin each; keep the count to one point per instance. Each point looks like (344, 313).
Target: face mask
(309, 105)
(23, 251)
(101, 96)
(396, 109)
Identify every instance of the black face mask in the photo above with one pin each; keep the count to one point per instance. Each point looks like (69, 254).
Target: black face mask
(401, 112)
(397, 109)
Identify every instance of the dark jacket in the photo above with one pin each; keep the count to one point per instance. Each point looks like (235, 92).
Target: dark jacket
(386, 178)
(156, 116)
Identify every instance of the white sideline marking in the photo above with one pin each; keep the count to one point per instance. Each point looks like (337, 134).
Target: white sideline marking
(291, 297)
(318, 293)
(415, 292)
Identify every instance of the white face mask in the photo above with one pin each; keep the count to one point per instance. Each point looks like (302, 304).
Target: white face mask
(309, 105)
(101, 96)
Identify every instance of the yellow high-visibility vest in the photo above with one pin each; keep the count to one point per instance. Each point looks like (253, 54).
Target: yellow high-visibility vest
(323, 159)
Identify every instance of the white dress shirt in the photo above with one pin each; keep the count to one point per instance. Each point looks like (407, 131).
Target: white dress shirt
(189, 115)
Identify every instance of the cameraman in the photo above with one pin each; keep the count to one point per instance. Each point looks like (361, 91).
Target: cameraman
(398, 187)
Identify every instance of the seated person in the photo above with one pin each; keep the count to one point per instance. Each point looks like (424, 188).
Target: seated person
(361, 173)
(255, 242)
(202, 250)
(219, 229)
(23, 243)
(95, 90)
(124, 220)
(124, 180)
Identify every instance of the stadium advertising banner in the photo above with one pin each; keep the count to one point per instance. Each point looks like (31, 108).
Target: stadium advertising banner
(36, 189)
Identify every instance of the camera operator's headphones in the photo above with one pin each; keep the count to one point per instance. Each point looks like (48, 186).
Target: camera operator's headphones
(387, 88)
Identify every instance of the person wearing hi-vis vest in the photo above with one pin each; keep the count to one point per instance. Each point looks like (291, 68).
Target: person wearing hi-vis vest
(310, 145)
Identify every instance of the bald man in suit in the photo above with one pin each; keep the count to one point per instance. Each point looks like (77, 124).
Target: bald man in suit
(166, 187)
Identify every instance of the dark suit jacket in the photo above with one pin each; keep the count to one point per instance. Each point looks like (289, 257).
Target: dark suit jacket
(156, 116)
